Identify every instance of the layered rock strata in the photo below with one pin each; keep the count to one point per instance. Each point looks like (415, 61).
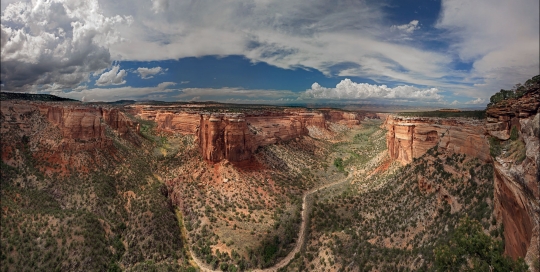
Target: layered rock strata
(409, 138)
(342, 117)
(224, 137)
(235, 136)
(516, 160)
(81, 127)
(517, 187)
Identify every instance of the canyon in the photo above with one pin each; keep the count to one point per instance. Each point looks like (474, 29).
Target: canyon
(69, 126)
(89, 137)
(517, 187)
(235, 136)
(76, 122)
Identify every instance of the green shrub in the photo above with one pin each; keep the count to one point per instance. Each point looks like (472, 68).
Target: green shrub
(514, 133)
(338, 163)
(472, 250)
(517, 92)
(494, 147)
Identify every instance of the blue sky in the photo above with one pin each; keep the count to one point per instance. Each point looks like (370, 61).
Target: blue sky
(451, 53)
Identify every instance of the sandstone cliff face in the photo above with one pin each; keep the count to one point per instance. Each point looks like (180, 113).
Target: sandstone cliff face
(517, 191)
(342, 117)
(183, 122)
(87, 123)
(409, 138)
(54, 128)
(224, 137)
(234, 136)
(516, 177)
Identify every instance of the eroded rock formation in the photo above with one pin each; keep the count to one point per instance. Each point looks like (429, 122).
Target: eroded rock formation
(516, 171)
(342, 117)
(517, 192)
(409, 138)
(183, 122)
(57, 128)
(224, 137)
(235, 136)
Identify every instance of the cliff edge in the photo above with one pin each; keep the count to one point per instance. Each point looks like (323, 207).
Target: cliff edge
(410, 137)
(513, 123)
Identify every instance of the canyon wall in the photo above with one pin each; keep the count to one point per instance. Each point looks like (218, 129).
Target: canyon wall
(81, 123)
(409, 137)
(64, 136)
(183, 122)
(515, 161)
(57, 127)
(224, 137)
(342, 117)
(235, 136)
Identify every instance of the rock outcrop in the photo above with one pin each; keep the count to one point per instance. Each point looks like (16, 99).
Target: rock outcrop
(343, 117)
(235, 136)
(516, 160)
(409, 138)
(79, 123)
(183, 122)
(57, 128)
(224, 137)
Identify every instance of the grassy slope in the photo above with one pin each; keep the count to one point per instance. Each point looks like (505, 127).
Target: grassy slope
(110, 218)
(387, 222)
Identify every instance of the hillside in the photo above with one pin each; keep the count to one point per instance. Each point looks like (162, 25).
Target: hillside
(4, 96)
(81, 197)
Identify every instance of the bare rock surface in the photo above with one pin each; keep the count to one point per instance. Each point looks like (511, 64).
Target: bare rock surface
(235, 136)
(517, 187)
(410, 138)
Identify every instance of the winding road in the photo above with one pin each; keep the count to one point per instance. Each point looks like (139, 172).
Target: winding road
(299, 242)
(301, 235)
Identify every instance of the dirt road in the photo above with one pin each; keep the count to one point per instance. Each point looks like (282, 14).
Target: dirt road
(299, 242)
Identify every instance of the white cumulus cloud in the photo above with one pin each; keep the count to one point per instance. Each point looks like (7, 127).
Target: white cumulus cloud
(408, 28)
(53, 45)
(57, 44)
(237, 95)
(113, 77)
(160, 5)
(349, 90)
(146, 73)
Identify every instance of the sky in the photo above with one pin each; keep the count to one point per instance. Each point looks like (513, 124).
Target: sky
(449, 53)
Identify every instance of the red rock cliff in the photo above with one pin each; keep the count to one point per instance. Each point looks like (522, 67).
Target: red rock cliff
(63, 134)
(183, 122)
(80, 126)
(224, 137)
(87, 123)
(343, 117)
(409, 138)
(236, 136)
(516, 171)
(517, 191)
